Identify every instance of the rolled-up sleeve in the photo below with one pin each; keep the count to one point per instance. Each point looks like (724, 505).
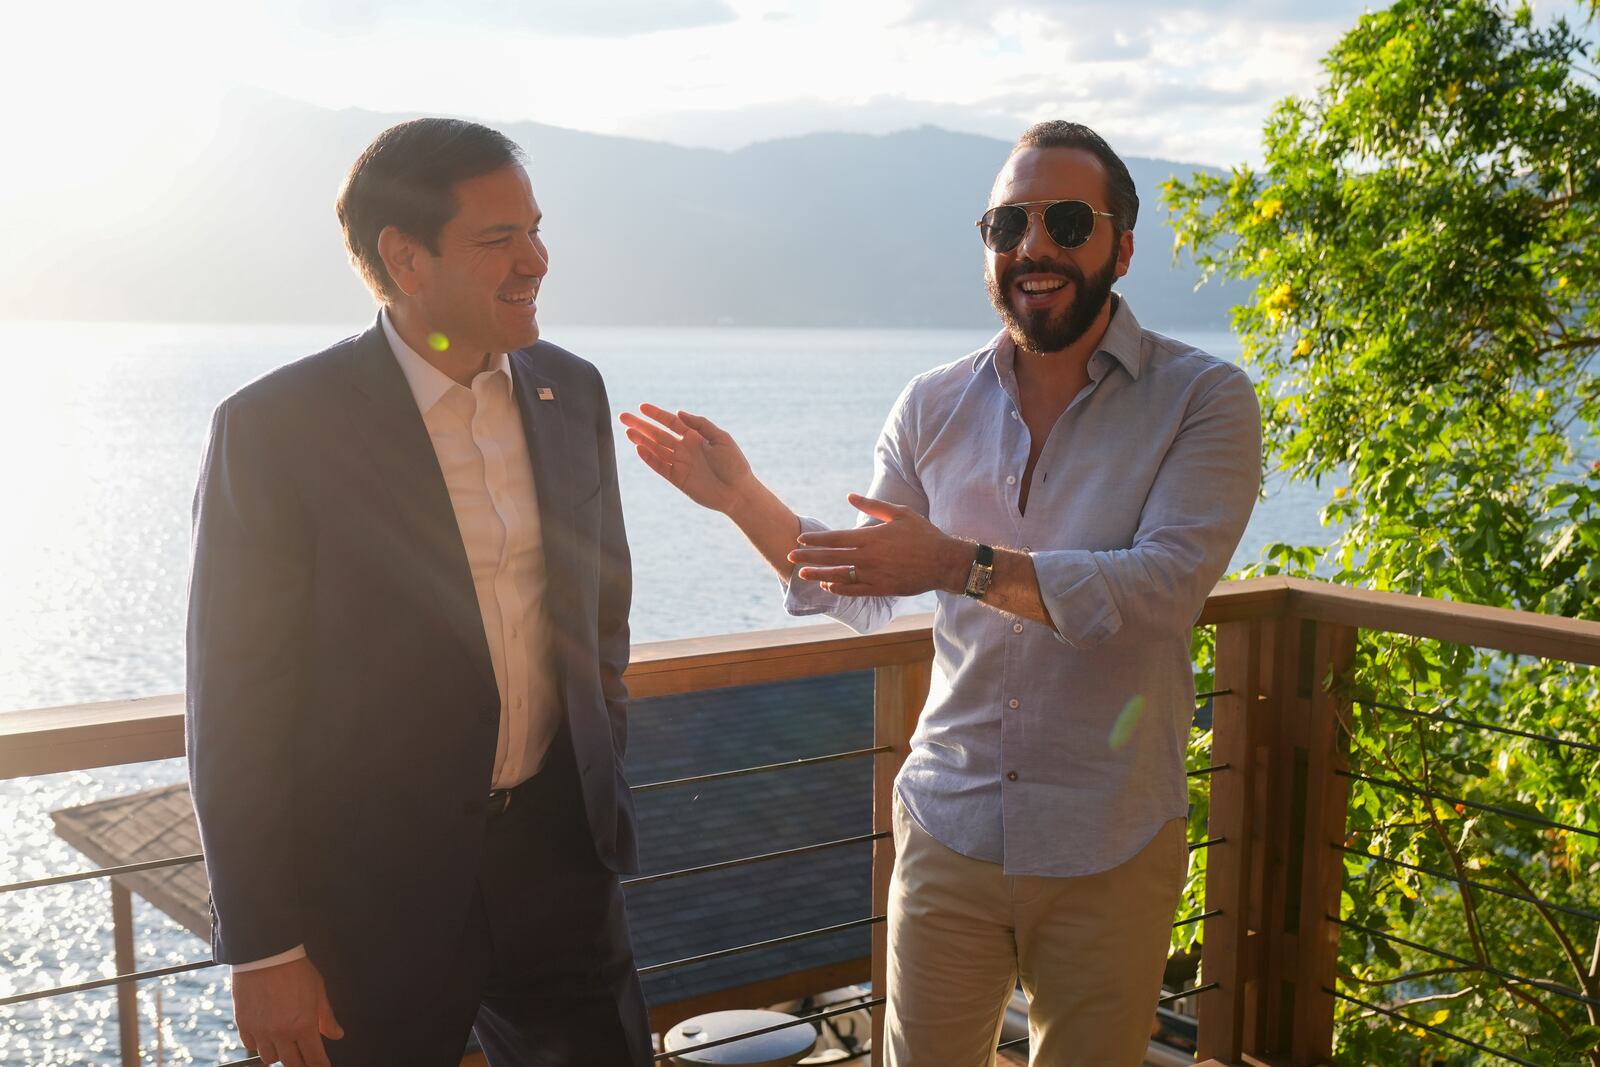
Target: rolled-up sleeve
(1190, 524)
(894, 479)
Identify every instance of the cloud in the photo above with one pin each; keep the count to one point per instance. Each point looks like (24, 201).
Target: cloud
(592, 18)
(1108, 17)
(737, 127)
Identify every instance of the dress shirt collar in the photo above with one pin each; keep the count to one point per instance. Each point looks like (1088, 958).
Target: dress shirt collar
(1123, 342)
(428, 383)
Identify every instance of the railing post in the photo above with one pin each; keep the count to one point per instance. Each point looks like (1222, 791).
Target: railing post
(127, 992)
(1303, 816)
(899, 693)
(1327, 800)
(1228, 951)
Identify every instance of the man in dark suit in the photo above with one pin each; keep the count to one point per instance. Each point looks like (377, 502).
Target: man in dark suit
(407, 633)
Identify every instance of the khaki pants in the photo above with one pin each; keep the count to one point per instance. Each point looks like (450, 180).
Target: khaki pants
(1090, 953)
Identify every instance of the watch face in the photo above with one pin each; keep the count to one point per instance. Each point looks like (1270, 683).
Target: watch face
(978, 579)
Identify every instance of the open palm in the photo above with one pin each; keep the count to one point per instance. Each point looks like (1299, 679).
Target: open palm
(698, 457)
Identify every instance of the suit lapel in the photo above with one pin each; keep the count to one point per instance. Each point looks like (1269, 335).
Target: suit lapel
(401, 451)
(544, 419)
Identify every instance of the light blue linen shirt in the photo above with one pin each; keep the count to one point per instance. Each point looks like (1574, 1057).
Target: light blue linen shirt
(1062, 753)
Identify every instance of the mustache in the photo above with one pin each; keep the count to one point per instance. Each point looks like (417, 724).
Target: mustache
(1060, 268)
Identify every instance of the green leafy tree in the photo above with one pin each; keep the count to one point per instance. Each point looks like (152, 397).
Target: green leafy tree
(1423, 239)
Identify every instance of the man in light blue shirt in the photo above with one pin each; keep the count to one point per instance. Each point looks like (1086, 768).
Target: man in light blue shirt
(1072, 492)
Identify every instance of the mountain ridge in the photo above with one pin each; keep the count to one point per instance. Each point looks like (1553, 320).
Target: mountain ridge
(839, 229)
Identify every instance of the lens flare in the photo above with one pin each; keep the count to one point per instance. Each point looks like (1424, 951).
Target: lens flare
(1127, 722)
(438, 342)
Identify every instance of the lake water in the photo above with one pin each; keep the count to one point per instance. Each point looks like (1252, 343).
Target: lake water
(98, 453)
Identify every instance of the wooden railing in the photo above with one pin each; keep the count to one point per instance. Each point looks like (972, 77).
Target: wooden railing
(1282, 645)
(1272, 877)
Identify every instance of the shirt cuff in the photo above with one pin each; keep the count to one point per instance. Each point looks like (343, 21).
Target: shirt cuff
(801, 597)
(1077, 597)
(296, 953)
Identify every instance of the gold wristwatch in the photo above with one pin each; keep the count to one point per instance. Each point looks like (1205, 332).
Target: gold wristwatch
(981, 574)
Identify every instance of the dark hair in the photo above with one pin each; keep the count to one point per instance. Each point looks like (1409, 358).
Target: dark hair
(1121, 195)
(405, 179)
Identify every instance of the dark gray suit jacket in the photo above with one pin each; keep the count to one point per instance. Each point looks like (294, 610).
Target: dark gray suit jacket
(342, 707)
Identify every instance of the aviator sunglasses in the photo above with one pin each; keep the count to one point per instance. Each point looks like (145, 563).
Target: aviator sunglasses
(1068, 222)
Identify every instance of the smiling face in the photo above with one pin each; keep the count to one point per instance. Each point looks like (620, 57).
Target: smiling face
(1049, 296)
(480, 289)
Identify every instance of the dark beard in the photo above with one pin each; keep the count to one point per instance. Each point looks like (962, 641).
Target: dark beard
(1040, 331)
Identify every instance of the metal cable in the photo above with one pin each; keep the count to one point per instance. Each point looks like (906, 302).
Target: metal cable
(1584, 746)
(753, 946)
(808, 761)
(1185, 994)
(646, 879)
(1538, 983)
(1486, 887)
(104, 872)
(101, 983)
(1433, 1029)
(1518, 816)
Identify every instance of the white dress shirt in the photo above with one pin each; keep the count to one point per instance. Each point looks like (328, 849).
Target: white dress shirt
(483, 454)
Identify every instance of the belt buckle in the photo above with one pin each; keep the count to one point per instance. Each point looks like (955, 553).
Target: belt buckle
(499, 801)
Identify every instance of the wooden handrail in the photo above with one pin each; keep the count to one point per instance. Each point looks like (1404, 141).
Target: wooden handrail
(1523, 632)
(80, 736)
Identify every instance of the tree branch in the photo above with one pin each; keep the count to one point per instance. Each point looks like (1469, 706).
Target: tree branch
(1586, 981)
(1581, 341)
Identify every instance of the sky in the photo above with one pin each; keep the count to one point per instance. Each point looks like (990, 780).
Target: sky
(1188, 80)
(1180, 79)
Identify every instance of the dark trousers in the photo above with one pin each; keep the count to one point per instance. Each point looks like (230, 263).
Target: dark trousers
(545, 975)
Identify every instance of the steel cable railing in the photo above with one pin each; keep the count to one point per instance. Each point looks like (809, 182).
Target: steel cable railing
(1509, 813)
(1470, 883)
(1516, 979)
(1467, 1041)
(718, 776)
(1475, 724)
(1462, 803)
(786, 939)
(810, 761)
(102, 983)
(723, 865)
(103, 872)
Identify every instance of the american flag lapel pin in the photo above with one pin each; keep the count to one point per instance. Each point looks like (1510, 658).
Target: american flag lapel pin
(546, 393)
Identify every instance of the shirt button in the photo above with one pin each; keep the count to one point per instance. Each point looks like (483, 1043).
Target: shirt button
(513, 631)
(1015, 416)
(518, 703)
(1016, 627)
(1011, 479)
(1011, 776)
(1013, 703)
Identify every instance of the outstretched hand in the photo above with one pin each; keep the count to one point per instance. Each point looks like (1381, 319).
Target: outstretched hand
(697, 456)
(902, 554)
